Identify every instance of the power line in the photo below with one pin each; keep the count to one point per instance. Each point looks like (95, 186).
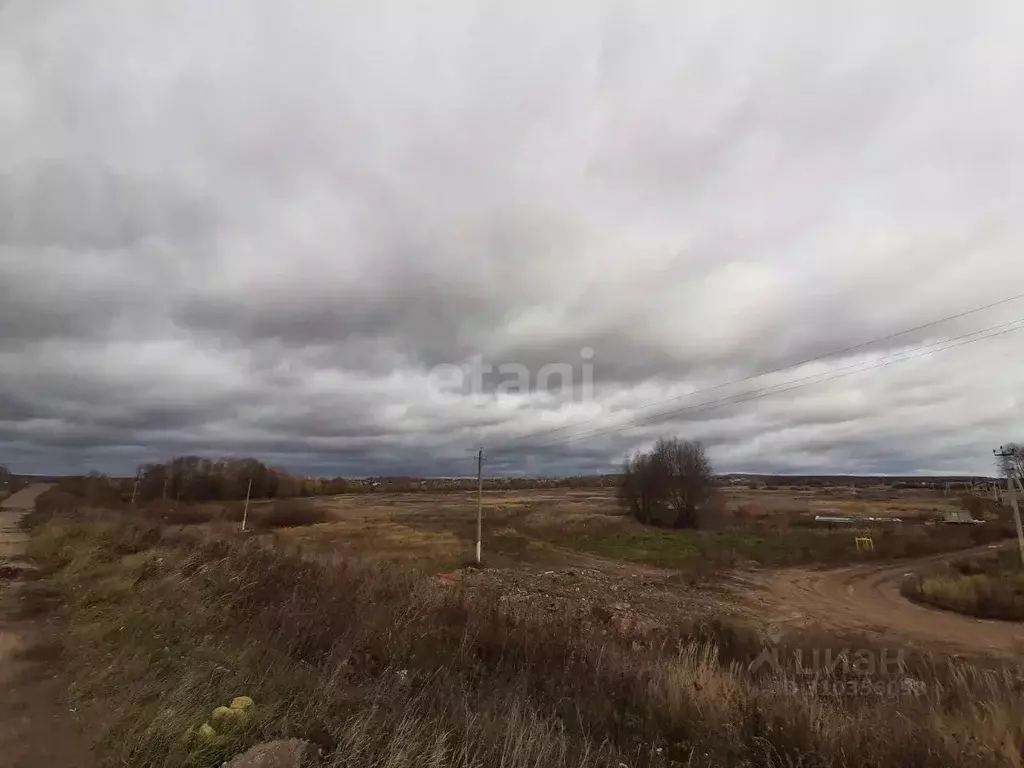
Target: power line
(788, 386)
(757, 394)
(834, 353)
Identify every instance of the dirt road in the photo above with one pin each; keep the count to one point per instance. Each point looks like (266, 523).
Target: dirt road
(866, 599)
(12, 540)
(36, 730)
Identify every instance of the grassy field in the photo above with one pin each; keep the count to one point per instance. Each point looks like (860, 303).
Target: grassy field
(409, 666)
(989, 587)
(546, 528)
(527, 532)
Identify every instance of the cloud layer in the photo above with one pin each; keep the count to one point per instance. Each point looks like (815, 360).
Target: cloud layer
(254, 228)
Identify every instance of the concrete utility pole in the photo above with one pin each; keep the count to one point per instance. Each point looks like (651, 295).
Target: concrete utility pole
(1012, 490)
(245, 510)
(479, 501)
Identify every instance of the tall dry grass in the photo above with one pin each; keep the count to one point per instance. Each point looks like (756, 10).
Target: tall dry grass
(989, 587)
(381, 668)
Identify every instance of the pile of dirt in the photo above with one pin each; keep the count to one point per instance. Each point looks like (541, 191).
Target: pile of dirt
(288, 753)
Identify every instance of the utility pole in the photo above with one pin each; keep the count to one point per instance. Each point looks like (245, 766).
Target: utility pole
(245, 510)
(1012, 490)
(135, 489)
(479, 501)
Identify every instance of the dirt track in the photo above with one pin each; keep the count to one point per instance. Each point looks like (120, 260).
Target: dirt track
(866, 599)
(36, 730)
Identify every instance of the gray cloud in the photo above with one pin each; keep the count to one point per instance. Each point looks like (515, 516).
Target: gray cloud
(253, 228)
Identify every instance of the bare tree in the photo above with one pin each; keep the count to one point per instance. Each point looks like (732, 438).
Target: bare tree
(1012, 464)
(670, 485)
(641, 490)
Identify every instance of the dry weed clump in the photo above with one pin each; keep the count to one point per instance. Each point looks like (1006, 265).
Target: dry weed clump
(380, 668)
(291, 513)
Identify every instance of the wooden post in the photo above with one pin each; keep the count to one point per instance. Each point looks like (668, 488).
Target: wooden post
(479, 502)
(245, 511)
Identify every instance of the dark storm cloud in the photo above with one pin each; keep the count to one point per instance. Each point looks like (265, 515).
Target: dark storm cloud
(257, 228)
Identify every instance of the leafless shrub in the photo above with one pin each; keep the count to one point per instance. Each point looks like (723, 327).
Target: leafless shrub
(672, 485)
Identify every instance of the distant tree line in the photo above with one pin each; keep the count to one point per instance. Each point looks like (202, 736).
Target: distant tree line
(195, 478)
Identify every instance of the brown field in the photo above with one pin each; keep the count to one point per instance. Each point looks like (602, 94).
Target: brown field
(585, 640)
(564, 526)
(759, 561)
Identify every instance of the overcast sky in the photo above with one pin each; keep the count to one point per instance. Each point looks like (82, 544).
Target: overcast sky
(251, 227)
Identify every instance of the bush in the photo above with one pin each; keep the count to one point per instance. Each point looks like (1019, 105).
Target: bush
(672, 485)
(290, 514)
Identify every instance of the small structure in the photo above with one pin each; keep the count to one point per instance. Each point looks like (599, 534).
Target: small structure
(835, 519)
(845, 520)
(960, 518)
(864, 543)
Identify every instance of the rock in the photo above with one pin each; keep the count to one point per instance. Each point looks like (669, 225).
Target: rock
(287, 753)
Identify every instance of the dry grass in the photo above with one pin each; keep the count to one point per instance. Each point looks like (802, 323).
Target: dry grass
(384, 668)
(990, 587)
(544, 528)
(289, 513)
(380, 542)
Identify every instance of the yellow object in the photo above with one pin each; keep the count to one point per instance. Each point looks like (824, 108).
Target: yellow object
(223, 714)
(228, 719)
(242, 702)
(865, 543)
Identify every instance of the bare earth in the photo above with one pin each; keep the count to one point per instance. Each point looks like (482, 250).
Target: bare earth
(35, 729)
(866, 599)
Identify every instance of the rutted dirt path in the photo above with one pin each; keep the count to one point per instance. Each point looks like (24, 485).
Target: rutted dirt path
(36, 730)
(866, 599)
